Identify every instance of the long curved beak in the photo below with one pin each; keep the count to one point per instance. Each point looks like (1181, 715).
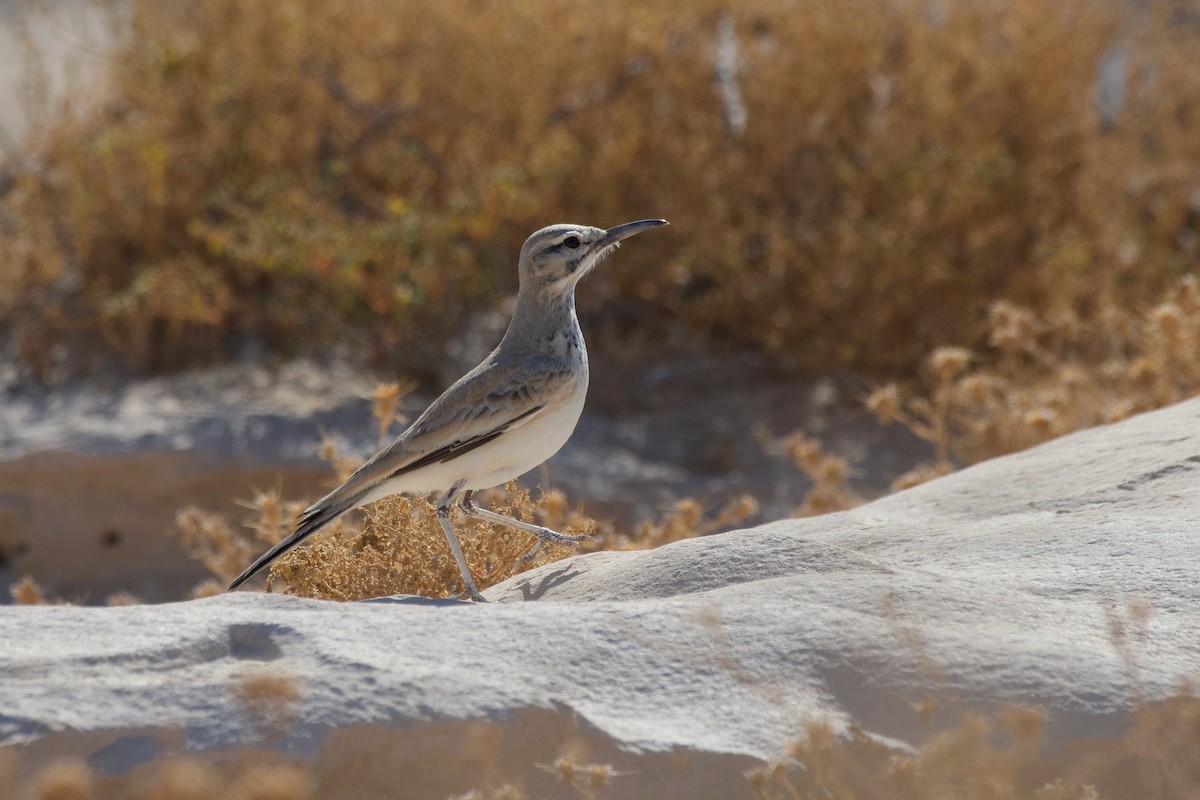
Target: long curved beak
(614, 235)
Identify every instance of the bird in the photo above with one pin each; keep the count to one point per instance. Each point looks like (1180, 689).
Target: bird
(500, 420)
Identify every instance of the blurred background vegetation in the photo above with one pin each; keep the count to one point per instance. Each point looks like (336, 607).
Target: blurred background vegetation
(851, 184)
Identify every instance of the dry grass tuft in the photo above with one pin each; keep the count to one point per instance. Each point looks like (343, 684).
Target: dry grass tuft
(829, 475)
(179, 778)
(273, 782)
(1002, 756)
(269, 699)
(385, 406)
(27, 592)
(207, 588)
(398, 549)
(507, 791)
(401, 549)
(213, 541)
(687, 520)
(1041, 378)
(587, 778)
(65, 779)
(123, 599)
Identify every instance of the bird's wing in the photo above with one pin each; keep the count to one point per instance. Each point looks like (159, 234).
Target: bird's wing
(489, 401)
(485, 403)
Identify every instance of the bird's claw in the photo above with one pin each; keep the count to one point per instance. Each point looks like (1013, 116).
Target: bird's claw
(470, 593)
(553, 537)
(563, 539)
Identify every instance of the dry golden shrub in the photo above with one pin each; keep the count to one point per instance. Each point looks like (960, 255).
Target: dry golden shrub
(586, 778)
(829, 475)
(207, 588)
(506, 791)
(253, 167)
(1004, 754)
(1000, 756)
(123, 599)
(401, 549)
(1041, 378)
(27, 592)
(686, 520)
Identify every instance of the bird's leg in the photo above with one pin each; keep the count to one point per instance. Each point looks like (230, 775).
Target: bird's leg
(543, 535)
(443, 517)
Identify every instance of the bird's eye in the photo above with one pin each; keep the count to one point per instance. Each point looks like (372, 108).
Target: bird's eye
(571, 242)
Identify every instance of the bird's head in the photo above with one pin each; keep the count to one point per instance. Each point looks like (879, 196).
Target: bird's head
(555, 258)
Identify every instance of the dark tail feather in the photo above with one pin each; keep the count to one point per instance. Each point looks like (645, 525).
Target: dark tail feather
(307, 524)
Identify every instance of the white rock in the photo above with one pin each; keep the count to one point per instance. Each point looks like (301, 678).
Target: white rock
(997, 585)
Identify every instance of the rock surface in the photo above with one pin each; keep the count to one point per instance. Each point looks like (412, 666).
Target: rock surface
(1010, 582)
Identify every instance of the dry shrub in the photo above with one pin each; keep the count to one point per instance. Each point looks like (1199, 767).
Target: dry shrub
(225, 551)
(256, 166)
(507, 791)
(587, 779)
(28, 592)
(999, 756)
(686, 520)
(123, 599)
(829, 475)
(398, 549)
(207, 588)
(1041, 378)
(401, 549)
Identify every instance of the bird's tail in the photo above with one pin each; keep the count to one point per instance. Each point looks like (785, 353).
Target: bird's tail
(313, 518)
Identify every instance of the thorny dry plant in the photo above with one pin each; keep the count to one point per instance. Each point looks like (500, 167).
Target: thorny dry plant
(829, 475)
(687, 519)
(260, 775)
(399, 548)
(269, 699)
(1042, 378)
(1004, 755)
(28, 592)
(998, 755)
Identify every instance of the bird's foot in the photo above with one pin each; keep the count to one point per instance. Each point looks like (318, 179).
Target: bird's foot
(545, 535)
(470, 593)
(537, 548)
